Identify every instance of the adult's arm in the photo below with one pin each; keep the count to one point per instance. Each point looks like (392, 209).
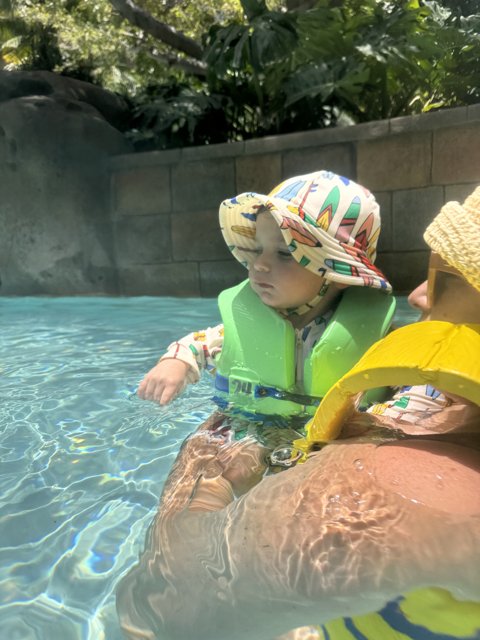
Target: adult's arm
(340, 535)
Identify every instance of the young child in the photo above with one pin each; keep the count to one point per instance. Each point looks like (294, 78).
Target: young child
(303, 245)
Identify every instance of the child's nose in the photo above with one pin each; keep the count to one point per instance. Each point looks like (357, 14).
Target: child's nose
(261, 263)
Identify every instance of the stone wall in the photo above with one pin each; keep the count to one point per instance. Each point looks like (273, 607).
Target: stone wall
(81, 214)
(164, 204)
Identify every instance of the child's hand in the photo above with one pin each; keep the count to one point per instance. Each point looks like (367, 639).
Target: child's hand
(164, 382)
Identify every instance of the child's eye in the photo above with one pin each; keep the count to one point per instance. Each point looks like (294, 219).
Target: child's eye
(285, 254)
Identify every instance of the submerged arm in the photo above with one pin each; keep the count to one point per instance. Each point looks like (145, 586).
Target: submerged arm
(326, 539)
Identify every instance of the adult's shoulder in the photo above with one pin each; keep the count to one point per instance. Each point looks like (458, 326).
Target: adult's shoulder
(440, 475)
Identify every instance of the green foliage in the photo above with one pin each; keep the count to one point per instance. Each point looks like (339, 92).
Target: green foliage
(25, 44)
(98, 45)
(90, 39)
(175, 115)
(364, 60)
(268, 69)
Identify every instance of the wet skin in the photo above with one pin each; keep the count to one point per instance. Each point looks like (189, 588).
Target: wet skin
(358, 524)
(328, 538)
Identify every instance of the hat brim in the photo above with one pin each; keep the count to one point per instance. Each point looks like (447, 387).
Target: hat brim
(310, 245)
(454, 234)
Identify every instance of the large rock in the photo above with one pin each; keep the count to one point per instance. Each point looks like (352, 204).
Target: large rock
(55, 228)
(75, 93)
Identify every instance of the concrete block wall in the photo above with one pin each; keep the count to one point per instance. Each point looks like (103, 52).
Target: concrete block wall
(165, 204)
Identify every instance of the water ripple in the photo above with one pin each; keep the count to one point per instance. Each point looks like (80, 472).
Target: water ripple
(83, 460)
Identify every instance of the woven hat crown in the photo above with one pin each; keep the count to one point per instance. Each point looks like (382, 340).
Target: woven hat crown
(455, 235)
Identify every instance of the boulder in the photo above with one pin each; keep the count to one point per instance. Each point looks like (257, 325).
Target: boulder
(56, 233)
(18, 84)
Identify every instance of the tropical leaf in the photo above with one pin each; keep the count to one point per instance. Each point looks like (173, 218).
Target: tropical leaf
(253, 8)
(11, 43)
(268, 69)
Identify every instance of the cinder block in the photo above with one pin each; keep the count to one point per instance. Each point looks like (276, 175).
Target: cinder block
(317, 137)
(172, 279)
(197, 186)
(473, 112)
(385, 242)
(456, 155)
(399, 162)
(458, 192)
(363, 131)
(144, 159)
(197, 236)
(216, 276)
(338, 158)
(275, 144)
(143, 240)
(258, 173)
(141, 191)
(404, 269)
(428, 121)
(412, 212)
(213, 151)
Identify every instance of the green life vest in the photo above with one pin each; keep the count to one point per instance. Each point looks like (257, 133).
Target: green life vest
(256, 367)
(423, 614)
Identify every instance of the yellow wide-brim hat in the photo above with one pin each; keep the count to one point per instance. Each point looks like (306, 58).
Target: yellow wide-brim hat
(455, 235)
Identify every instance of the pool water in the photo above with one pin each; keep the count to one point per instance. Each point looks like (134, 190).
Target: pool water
(82, 459)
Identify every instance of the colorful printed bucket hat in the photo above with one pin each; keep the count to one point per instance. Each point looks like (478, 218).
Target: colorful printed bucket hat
(330, 225)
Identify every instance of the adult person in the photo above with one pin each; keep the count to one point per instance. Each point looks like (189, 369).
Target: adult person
(454, 280)
(387, 524)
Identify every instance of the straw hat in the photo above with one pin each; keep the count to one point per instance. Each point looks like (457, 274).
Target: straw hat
(455, 235)
(330, 225)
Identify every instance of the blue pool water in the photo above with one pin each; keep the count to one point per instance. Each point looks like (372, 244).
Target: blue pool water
(82, 459)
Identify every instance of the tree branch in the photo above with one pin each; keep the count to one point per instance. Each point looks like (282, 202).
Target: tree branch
(191, 67)
(147, 23)
(300, 5)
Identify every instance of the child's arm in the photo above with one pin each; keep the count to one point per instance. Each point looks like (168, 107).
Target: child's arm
(182, 364)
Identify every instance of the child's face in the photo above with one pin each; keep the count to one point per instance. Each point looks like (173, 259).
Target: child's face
(274, 275)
